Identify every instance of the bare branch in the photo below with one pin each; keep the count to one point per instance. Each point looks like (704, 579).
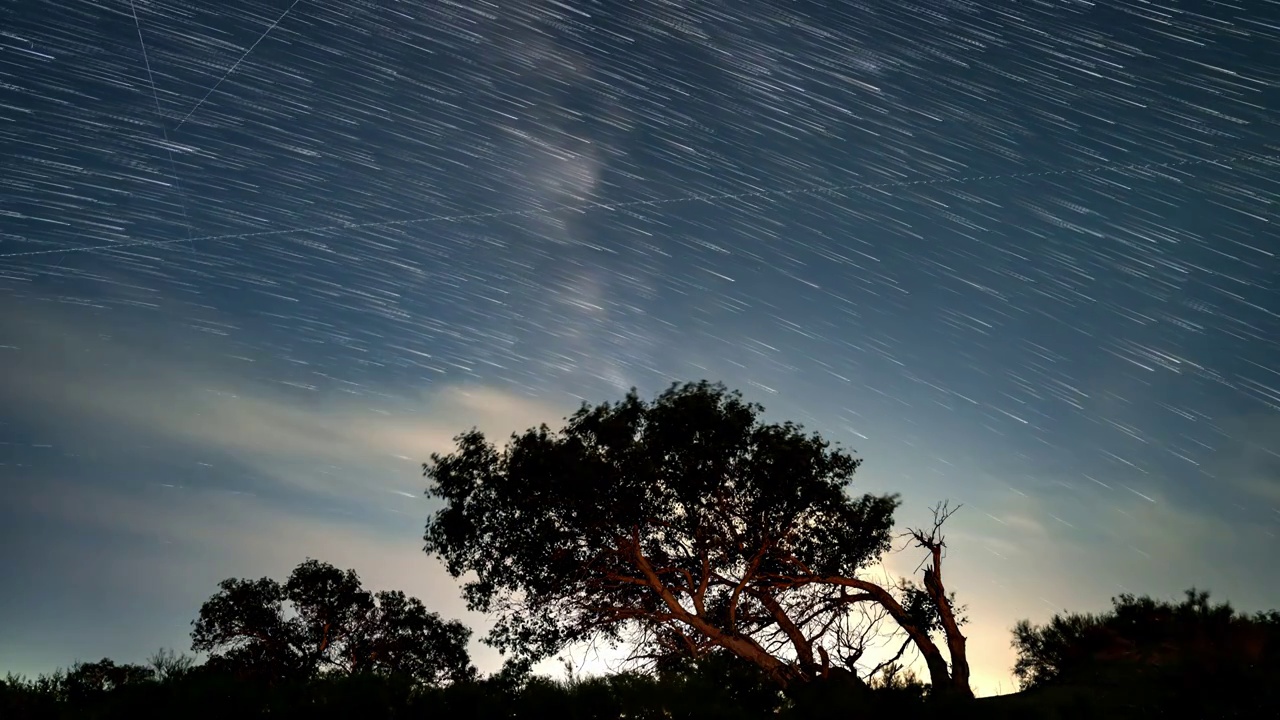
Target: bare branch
(891, 660)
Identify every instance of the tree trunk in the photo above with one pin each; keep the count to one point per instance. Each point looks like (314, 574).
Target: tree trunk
(958, 682)
(943, 681)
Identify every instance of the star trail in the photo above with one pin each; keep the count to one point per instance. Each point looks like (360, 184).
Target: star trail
(257, 259)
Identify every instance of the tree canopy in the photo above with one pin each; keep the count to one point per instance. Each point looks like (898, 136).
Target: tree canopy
(1145, 636)
(683, 525)
(90, 680)
(321, 620)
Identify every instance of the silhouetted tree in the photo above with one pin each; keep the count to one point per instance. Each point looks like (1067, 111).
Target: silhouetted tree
(681, 526)
(1138, 632)
(168, 665)
(1186, 653)
(22, 698)
(321, 621)
(89, 681)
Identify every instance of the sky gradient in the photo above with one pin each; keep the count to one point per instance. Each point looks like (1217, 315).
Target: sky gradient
(258, 260)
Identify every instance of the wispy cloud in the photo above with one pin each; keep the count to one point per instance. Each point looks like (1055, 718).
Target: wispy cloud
(168, 549)
(207, 403)
(160, 543)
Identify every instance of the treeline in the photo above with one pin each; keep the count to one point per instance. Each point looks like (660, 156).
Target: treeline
(320, 646)
(722, 689)
(731, 554)
(203, 692)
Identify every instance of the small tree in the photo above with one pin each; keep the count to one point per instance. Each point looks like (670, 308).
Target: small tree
(682, 526)
(168, 665)
(321, 620)
(90, 681)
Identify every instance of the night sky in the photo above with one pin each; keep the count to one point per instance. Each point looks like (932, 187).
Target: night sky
(259, 259)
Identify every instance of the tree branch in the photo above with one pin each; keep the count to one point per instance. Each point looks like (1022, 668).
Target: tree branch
(906, 644)
(747, 576)
(803, 648)
(744, 647)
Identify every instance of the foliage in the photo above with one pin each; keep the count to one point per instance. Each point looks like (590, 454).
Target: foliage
(896, 678)
(1138, 633)
(719, 684)
(1190, 654)
(1234, 657)
(322, 621)
(89, 680)
(682, 526)
(697, 691)
(165, 664)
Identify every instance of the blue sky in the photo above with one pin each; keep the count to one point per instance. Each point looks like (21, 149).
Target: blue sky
(1019, 258)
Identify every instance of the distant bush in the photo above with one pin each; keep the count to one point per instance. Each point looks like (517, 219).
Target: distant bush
(1192, 656)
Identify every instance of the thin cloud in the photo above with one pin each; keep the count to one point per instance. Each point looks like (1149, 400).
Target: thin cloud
(211, 408)
(174, 546)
